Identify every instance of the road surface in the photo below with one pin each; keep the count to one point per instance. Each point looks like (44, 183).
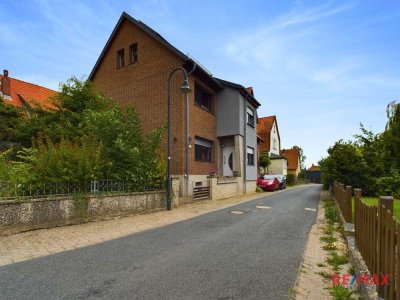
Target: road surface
(220, 255)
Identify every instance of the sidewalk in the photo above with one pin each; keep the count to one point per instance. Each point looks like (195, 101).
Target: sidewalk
(38, 243)
(309, 284)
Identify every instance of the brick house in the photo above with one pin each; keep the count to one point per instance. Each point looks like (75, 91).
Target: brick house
(134, 67)
(270, 143)
(24, 94)
(293, 158)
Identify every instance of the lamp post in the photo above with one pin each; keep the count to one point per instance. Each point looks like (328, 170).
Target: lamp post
(185, 89)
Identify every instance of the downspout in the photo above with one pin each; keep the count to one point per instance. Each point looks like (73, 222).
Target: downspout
(188, 136)
(245, 145)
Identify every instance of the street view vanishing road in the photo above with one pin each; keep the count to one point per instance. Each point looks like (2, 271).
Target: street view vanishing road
(248, 251)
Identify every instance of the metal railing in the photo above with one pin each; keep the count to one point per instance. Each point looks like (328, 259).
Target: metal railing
(15, 190)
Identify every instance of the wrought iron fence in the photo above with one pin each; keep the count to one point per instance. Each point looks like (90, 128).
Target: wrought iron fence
(15, 190)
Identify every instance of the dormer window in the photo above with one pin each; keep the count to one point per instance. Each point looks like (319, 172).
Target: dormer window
(120, 58)
(133, 53)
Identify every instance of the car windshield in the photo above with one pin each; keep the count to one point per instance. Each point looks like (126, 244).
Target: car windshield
(268, 177)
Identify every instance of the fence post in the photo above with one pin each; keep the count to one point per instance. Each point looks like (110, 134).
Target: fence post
(334, 190)
(348, 204)
(342, 196)
(387, 202)
(357, 198)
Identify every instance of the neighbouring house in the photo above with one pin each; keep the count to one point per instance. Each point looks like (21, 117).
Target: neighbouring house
(133, 69)
(313, 174)
(24, 94)
(293, 158)
(314, 168)
(269, 142)
(237, 132)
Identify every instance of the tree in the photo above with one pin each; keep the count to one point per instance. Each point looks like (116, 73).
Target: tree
(131, 154)
(345, 164)
(88, 136)
(302, 157)
(371, 148)
(264, 161)
(11, 117)
(391, 138)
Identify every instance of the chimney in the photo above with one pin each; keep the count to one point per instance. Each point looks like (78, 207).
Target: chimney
(5, 84)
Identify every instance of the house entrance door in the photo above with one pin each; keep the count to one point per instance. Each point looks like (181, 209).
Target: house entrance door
(228, 157)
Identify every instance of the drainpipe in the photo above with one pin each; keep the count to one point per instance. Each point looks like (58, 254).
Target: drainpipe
(245, 145)
(188, 136)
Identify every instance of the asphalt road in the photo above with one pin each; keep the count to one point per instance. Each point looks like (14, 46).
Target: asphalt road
(219, 255)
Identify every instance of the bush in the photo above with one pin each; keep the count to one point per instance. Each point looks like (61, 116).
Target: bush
(66, 161)
(87, 137)
(291, 179)
(346, 164)
(388, 185)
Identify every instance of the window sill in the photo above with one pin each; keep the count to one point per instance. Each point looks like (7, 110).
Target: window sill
(251, 125)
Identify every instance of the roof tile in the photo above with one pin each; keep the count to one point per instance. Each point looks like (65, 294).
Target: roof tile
(264, 128)
(33, 94)
(292, 156)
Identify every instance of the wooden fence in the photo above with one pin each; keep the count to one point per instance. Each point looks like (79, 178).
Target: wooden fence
(376, 236)
(343, 197)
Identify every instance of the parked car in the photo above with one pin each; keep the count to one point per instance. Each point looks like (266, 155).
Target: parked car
(268, 183)
(282, 181)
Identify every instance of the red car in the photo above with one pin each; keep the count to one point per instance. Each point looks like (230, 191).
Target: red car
(268, 183)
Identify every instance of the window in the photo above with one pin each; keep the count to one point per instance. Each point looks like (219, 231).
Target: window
(250, 156)
(203, 98)
(133, 53)
(274, 143)
(120, 58)
(250, 116)
(202, 149)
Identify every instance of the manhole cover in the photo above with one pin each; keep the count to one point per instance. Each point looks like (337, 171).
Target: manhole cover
(236, 212)
(263, 207)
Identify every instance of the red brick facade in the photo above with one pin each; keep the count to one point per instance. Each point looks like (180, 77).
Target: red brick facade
(144, 84)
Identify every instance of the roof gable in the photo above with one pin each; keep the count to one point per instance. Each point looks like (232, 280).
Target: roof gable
(293, 158)
(248, 94)
(188, 63)
(264, 127)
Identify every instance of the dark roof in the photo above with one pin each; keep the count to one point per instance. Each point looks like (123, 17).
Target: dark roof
(242, 89)
(189, 62)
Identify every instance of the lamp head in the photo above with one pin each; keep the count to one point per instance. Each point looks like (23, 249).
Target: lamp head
(185, 88)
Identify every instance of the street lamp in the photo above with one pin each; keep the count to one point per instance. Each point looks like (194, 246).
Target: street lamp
(185, 89)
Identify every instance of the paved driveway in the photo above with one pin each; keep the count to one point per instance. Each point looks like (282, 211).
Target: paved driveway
(219, 255)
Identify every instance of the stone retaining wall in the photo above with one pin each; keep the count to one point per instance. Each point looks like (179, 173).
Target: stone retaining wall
(22, 215)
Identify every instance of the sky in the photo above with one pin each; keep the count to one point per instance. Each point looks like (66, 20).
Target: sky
(322, 67)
